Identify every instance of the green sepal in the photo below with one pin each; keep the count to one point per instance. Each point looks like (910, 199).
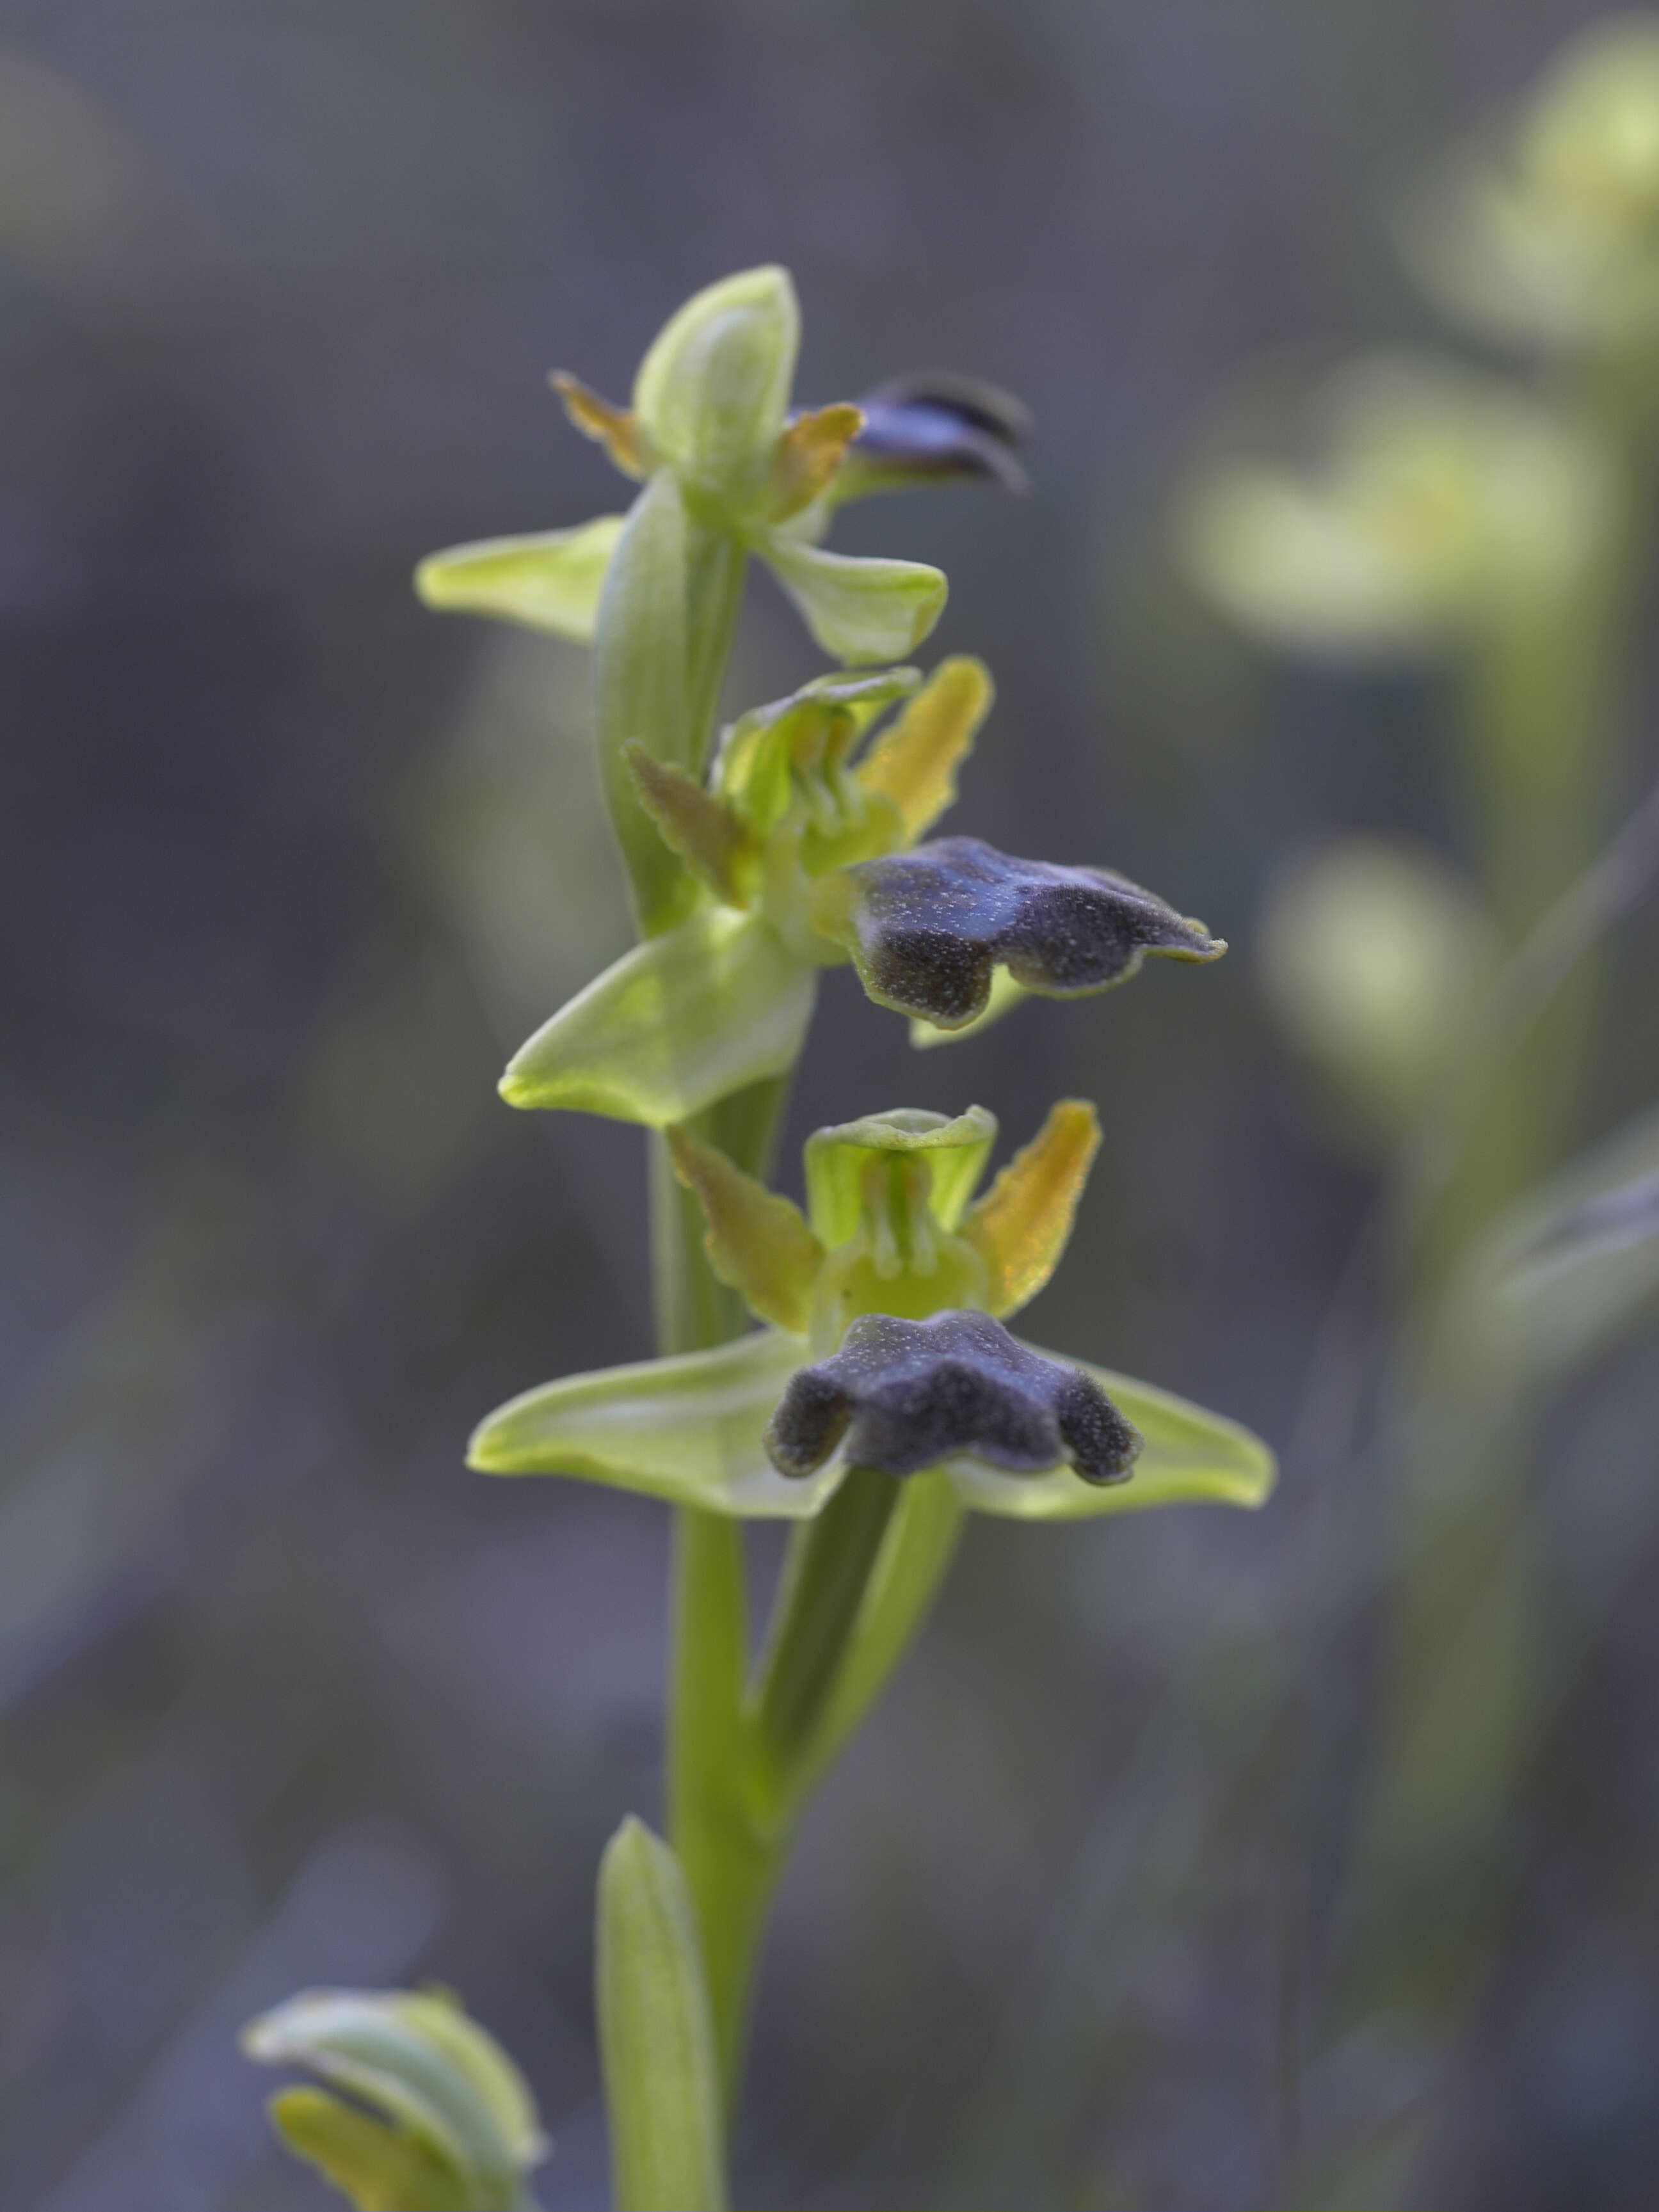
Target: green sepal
(859, 610)
(656, 2034)
(685, 1430)
(438, 2077)
(758, 1242)
(549, 580)
(708, 1006)
(956, 1150)
(1188, 1457)
(380, 2169)
(712, 394)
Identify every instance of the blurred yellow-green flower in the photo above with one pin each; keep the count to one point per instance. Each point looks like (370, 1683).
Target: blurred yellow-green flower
(1546, 230)
(1436, 500)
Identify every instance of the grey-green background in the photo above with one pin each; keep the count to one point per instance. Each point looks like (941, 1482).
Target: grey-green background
(289, 865)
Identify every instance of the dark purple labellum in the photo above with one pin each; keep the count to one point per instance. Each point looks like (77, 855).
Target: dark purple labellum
(906, 1394)
(929, 928)
(933, 425)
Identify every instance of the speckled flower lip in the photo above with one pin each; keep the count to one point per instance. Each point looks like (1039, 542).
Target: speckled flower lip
(904, 1396)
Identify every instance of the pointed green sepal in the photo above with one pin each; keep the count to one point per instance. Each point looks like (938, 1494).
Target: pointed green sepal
(859, 610)
(758, 1242)
(956, 1151)
(712, 394)
(458, 2114)
(1022, 1225)
(1187, 1457)
(549, 580)
(687, 1430)
(914, 762)
(708, 1007)
(656, 2036)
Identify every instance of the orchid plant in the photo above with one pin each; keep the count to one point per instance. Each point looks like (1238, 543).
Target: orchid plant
(882, 1395)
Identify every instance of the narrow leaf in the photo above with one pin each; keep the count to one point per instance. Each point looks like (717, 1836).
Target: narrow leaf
(550, 580)
(681, 1020)
(859, 610)
(1187, 1457)
(914, 762)
(687, 1430)
(1022, 1225)
(756, 1241)
(656, 2035)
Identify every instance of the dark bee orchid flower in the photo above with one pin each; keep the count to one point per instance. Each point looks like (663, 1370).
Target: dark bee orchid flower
(884, 1347)
(804, 848)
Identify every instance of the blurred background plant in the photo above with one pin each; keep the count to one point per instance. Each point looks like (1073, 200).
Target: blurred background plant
(289, 1699)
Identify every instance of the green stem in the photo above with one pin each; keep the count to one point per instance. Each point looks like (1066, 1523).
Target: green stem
(828, 1573)
(729, 1857)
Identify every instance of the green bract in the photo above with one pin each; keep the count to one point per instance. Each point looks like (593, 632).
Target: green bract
(890, 1231)
(459, 2131)
(805, 856)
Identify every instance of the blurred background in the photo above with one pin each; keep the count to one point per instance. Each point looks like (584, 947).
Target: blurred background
(290, 866)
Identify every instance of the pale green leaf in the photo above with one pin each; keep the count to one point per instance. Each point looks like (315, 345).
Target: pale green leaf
(550, 580)
(1188, 1457)
(687, 1430)
(711, 1006)
(859, 610)
(657, 2034)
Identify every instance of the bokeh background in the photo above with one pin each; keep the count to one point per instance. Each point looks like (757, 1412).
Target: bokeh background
(289, 865)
